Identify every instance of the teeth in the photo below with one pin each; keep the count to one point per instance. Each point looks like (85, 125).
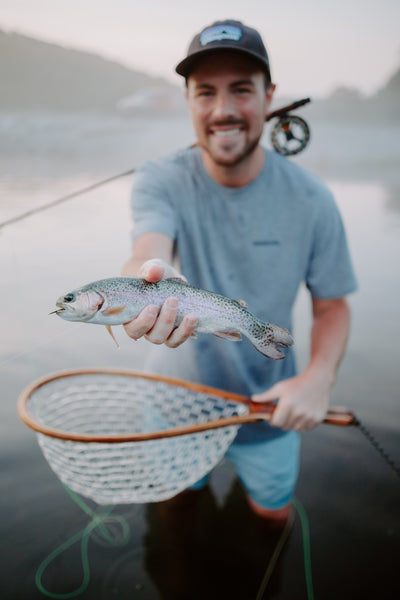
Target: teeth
(226, 133)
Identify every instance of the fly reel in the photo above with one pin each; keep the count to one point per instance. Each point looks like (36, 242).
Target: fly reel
(290, 134)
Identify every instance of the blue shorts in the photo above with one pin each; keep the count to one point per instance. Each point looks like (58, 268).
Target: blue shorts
(267, 470)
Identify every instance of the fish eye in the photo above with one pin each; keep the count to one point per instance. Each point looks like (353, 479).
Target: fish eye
(69, 298)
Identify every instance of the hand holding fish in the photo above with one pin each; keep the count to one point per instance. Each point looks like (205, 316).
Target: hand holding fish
(169, 311)
(156, 325)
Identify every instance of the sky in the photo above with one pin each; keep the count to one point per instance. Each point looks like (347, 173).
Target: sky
(314, 45)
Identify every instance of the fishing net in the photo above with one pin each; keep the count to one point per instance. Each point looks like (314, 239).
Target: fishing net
(92, 428)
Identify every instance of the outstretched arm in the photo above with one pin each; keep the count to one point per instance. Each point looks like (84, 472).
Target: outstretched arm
(304, 399)
(151, 259)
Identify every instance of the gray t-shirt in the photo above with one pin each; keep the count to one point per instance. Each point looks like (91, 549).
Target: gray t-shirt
(256, 243)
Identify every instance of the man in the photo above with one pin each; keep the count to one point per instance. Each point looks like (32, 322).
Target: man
(246, 223)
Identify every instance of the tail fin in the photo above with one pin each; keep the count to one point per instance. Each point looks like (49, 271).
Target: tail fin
(268, 337)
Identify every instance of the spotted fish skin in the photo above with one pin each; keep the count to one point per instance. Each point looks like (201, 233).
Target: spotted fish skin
(117, 300)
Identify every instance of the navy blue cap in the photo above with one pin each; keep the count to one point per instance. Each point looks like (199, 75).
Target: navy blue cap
(225, 35)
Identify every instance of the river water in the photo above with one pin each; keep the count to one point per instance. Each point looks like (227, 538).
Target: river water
(350, 494)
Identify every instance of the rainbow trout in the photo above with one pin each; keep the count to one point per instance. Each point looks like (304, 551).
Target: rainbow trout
(118, 300)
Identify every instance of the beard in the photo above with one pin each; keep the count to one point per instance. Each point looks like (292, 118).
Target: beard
(235, 160)
(226, 155)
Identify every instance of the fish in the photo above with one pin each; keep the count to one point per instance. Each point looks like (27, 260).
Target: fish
(118, 300)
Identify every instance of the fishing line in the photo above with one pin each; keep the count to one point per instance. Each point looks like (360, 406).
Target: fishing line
(98, 520)
(101, 519)
(59, 201)
(305, 528)
(378, 447)
(274, 559)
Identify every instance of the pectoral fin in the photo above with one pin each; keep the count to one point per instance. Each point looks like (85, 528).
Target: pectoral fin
(114, 311)
(231, 335)
(110, 331)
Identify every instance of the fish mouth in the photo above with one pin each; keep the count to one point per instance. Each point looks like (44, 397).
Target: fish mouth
(57, 312)
(72, 311)
(60, 308)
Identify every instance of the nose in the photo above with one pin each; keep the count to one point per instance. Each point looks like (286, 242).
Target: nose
(223, 106)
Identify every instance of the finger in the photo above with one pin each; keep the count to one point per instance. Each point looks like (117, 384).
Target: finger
(289, 417)
(151, 271)
(298, 421)
(165, 323)
(298, 424)
(183, 332)
(305, 421)
(281, 417)
(308, 423)
(142, 323)
(270, 395)
(303, 425)
(155, 269)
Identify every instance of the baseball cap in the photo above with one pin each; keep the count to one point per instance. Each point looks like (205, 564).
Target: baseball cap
(225, 35)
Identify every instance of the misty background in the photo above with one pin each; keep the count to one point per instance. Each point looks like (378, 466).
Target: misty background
(72, 116)
(58, 101)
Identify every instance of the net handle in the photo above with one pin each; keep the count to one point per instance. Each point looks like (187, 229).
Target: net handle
(258, 412)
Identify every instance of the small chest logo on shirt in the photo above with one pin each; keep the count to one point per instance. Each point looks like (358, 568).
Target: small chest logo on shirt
(266, 243)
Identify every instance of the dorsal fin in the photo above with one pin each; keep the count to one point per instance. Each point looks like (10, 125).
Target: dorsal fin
(176, 280)
(242, 303)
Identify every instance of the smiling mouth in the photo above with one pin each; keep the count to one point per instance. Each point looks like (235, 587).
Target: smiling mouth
(226, 132)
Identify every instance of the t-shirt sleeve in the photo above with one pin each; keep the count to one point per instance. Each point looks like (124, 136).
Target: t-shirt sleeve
(151, 206)
(330, 273)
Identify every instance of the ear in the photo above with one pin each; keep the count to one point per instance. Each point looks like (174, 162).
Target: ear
(268, 97)
(270, 92)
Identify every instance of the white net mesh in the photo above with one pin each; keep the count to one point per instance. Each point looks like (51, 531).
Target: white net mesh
(144, 471)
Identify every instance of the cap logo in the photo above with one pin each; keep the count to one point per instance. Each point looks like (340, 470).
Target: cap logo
(219, 33)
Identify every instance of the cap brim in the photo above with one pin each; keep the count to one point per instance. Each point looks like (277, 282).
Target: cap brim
(186, 66)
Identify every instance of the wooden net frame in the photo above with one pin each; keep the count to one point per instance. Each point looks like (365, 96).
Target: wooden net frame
(119, 436)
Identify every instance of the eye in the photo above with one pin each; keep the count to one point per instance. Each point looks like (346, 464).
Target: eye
(69, 298)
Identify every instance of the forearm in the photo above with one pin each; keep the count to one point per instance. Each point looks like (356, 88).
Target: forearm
(328, 337)
(147, 247)
(132, 266)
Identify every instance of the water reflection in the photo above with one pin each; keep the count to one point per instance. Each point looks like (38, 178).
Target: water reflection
(351, 495)
(197, 549)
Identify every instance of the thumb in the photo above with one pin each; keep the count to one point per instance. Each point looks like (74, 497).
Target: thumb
(151, 271)
(271, 395)
(155, 269)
